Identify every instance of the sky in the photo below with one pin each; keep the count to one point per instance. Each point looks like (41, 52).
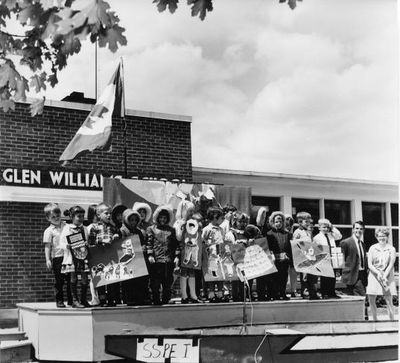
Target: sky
(312, 91)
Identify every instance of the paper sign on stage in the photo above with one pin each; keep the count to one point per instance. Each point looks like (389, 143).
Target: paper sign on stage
(311, 258)
(167, 350)
(253, 261)
(218, 264)
(121, 260)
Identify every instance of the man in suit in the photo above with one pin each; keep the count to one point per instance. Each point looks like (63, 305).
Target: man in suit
(354, 273)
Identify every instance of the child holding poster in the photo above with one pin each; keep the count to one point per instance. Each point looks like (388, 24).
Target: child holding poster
(236, 234)
(279, 244)
(163, 252)
(213, 237)
(73, 240)
(327, 236)
(135, 290)
(54, 253)
(303, 233)
(102, 234)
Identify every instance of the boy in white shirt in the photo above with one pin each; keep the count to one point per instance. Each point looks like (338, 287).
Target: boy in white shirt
(54, 253)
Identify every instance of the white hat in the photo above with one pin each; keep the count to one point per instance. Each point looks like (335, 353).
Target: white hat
(164, 208)
(127, 213)
(145, 206)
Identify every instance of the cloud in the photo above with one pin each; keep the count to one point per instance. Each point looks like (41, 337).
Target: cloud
(311, 91)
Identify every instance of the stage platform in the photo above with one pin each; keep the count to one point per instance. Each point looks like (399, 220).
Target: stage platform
(78, 334)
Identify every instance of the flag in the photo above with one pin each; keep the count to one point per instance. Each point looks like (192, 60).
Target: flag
(95, 132)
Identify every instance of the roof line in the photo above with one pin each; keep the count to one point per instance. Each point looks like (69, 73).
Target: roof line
(129, 112)
(290, 176)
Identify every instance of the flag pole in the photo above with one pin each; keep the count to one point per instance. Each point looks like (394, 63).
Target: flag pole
(95, 70)
(125, 125)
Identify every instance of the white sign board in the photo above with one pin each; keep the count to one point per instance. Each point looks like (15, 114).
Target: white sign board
(170, 349)
(256, 263)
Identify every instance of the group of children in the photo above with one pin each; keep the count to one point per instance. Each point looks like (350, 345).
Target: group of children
(173, 249)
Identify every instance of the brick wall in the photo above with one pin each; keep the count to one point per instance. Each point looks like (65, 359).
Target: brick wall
(156, 148)
(23, 273)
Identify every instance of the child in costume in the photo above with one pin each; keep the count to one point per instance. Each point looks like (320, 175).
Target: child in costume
(213, 238)
(54, 253)
(327, 236)
(262, 220)
(116, 215)
(279, 244)
(73, 240)
(200, 283)
(303, 232)
(228, 211)
(236, 235)
(134, 290)
(191, 260)
(91, 219)
(184, 212)
(188, 235)
(145, 213)
(103, 233)
(163, 254)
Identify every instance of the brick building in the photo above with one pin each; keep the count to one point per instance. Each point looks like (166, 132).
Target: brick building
(158, 146)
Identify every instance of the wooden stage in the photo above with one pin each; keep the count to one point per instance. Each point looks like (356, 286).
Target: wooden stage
(78, 334)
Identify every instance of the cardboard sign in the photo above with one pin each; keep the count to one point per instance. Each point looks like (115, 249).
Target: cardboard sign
(253, 261)
(192, 252)
(309, 257)
(78, 245)
(218, 264)
(168, 350)
(121, 260)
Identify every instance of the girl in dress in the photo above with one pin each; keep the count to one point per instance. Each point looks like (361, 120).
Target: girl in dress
(381, 258)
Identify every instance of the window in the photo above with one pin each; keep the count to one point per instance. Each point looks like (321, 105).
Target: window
(394, 211)
(369, 237)
(306, 205)
(373, 214)
(338, 211)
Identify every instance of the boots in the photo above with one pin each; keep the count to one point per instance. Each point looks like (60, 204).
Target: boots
(84, 301)
(74, 291)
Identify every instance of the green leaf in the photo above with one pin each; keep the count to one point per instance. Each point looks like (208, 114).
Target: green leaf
(52, 79)
(37, 106)
(48, 4)
(50, 27)
(32, 14)
(6, 103)
(38, 82)
(163, 4)
(112, 37)
(22, 88)
(200, 7)
(69, 20)
(96, 13)
(4, 13)
(70, 45)
(32, 57)
(8, 76)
